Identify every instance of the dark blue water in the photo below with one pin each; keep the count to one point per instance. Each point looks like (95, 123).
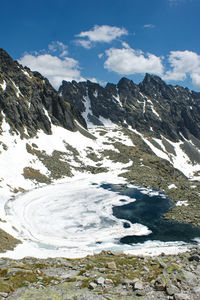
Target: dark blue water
(148, 210)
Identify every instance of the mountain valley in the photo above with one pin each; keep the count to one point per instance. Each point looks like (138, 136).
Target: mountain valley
(145, 136)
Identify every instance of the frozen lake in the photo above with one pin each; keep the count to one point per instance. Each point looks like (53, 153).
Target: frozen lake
(87, 215)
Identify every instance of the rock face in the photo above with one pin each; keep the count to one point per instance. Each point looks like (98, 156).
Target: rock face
(27, 100)
(151, 107)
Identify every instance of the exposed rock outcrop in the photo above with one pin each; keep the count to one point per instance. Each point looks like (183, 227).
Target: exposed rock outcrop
(29, 102)
(152, 107)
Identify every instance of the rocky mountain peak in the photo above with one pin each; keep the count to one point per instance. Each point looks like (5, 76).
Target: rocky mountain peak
(125, 83)
(151, 107)
(29, 103)
(155, 87)
(6, 62)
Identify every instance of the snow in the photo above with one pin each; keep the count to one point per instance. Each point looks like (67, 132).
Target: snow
(18, 93)
(180, 203)
(117, 98)
(3, 85)
(144, 107)
(26, 73)
(95, 94)
(88, 111)
(153, 109)
(89, 226)
(172, 186)
(182, 162)
(82, 219)
(47, 114)
(151, 248)
(107, 122)
(146, 101)
(157, 151)
(179, 161)
(18, 158)
(83, 222)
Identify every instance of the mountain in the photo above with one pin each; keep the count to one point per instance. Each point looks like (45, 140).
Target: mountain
(28, 101)
(152, 107)
(146, 134)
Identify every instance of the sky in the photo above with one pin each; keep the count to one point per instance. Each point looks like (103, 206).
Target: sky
(103, 41)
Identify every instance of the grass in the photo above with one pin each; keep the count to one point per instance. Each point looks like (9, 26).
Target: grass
(33, 174)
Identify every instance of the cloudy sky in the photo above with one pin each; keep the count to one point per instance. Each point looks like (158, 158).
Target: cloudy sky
(105, 40)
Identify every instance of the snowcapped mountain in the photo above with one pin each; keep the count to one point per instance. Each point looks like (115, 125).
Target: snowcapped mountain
(167, 118)
(146, 134)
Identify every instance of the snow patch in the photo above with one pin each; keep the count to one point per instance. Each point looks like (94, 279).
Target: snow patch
(3, 85)
(172, 186)
(179, 161)
(26, 73)
(95, 94)
(181, 203)
(18, 93)
(117, 98)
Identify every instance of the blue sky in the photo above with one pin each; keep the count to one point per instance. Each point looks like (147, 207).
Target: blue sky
(105, 40)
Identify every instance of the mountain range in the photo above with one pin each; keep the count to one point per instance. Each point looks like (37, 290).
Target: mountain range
(147, 134)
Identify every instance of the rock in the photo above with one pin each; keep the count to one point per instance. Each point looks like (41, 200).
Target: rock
(196, 291)
(5, 295)
(90, 297)
(138, 285)
(190, 278)
(100, 280)
(194, 257)
(108, 281)
(140, 293)
(125, 102)
(127, 282)
(160, 284)
(30, 102)
(181, 296)
(171, 289)
(92, 285)
(112, 265)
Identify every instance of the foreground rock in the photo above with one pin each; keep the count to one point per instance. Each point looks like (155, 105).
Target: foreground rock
(163, 277)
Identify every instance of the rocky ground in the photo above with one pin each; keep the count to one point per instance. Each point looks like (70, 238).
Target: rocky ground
(107, 275)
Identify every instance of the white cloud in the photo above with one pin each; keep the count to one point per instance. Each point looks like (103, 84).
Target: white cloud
(84, 43)
(53, 67)
(177, 2)
(126, 45)
(103, 34)
(196, 79)
(183, 64)
(95, 80)
(128, 61)
(149, 26)
(57, 46)
(100, 55)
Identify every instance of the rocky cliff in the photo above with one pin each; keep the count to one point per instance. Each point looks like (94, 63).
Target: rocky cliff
(152, 107)
(29, 102)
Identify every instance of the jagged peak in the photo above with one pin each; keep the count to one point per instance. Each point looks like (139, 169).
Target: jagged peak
(3, 53)
(152, 79)
(6, 61)
(125, 83)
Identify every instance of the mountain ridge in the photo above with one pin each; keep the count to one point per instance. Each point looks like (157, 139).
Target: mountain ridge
(171, 111)
(25, 98)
